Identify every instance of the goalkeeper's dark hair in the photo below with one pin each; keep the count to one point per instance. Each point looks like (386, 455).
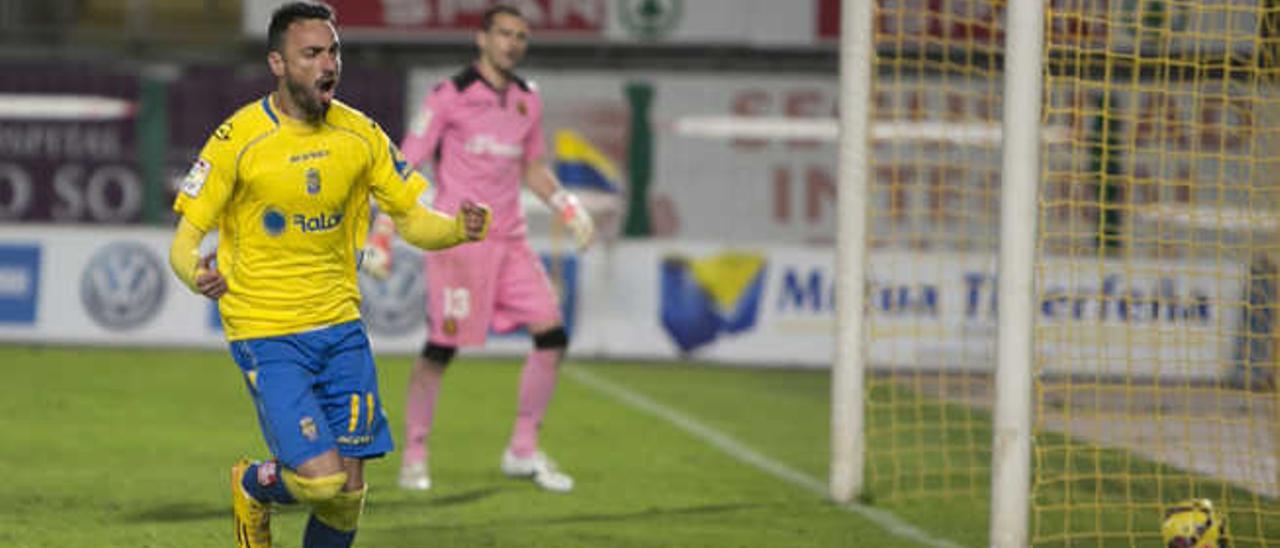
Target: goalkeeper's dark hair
(499, 9)
(295, 11)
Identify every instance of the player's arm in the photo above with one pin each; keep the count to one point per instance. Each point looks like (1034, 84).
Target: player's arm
(396, 187)
(200, 202)
(429, 229)
(540, 179)
(427, 127)
(195, 271)
(419, 144)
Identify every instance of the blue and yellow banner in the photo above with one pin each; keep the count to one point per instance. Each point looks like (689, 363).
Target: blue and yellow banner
(580, 165)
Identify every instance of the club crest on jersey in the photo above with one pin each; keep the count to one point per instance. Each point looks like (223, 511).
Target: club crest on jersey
(313, 181)
(522, 108)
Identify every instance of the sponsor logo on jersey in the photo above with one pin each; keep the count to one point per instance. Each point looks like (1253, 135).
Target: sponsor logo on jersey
(317, 223)
(123, 286)
(484, 143)
(309, 155)
(223, 133)
(273, 221)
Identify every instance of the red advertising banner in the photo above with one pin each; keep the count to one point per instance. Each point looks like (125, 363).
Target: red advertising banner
(451, 18)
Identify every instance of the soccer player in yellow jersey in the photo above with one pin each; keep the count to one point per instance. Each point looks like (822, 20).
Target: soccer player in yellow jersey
(287, 182)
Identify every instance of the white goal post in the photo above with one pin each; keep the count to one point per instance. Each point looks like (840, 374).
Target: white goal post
(1020, 144)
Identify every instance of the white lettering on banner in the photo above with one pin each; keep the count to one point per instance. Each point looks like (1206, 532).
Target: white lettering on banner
(454, 13)
(14, 282)
(60, 141)
(80, 195)
(405, 12)
(18, 184)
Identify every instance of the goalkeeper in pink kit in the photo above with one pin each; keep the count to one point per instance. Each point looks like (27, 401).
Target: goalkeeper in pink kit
(482, 129)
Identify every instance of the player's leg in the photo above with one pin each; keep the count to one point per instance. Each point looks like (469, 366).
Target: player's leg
(460, 284)
(347, 386)
(419, 413)
(525, 297)
(334, 520)
(537, 385)
(279, 373)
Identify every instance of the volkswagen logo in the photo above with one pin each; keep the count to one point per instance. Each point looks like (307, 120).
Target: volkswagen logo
(123, 286)
(396, 305)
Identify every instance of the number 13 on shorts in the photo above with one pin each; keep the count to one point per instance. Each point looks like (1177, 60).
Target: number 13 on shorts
(457, 302)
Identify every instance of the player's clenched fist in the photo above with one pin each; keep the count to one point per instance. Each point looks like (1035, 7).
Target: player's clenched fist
(209, 282)
(475, 220)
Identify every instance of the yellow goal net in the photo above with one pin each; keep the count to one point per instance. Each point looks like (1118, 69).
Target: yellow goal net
(1157, 239)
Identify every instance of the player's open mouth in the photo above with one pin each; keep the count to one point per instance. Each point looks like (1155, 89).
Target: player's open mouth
(326, 87)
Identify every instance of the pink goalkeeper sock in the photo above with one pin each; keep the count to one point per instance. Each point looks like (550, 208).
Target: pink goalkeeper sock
(537, 383)
(419, 410)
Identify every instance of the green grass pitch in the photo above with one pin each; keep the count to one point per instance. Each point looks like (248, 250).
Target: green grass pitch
(125, 447)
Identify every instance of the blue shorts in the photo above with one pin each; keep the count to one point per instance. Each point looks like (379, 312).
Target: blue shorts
(315, 391)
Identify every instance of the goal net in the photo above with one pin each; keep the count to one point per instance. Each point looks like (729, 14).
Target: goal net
(1155, 276)
(1154, 373)
(1156, 281)
(1157, 237)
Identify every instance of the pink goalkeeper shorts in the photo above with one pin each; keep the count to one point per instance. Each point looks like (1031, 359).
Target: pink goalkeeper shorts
(498, 284)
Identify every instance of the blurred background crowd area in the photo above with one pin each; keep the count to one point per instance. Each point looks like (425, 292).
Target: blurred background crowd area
(103, 103)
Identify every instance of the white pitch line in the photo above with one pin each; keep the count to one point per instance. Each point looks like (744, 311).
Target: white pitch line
(747, 455)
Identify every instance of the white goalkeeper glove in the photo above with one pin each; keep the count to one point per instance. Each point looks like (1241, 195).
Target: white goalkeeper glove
(376, 258)
(571, 212)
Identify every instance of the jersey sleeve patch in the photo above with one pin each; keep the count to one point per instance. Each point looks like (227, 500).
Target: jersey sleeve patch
(397, 158)
(196, 176)
(421, 121)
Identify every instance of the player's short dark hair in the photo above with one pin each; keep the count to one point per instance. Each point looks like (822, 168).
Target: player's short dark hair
(498, 9)
(294, 11)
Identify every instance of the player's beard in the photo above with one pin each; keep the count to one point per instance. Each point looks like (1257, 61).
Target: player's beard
(506, 63)
(308, 97)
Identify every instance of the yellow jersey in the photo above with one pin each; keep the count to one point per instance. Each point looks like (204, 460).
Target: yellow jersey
(291, 203)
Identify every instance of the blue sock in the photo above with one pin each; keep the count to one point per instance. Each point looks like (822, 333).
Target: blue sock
(262, 481)
(319, 535)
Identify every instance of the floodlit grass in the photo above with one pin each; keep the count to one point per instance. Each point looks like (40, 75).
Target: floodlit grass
(121, 447)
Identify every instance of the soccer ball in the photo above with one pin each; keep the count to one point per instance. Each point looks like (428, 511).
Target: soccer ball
(1194, 524)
